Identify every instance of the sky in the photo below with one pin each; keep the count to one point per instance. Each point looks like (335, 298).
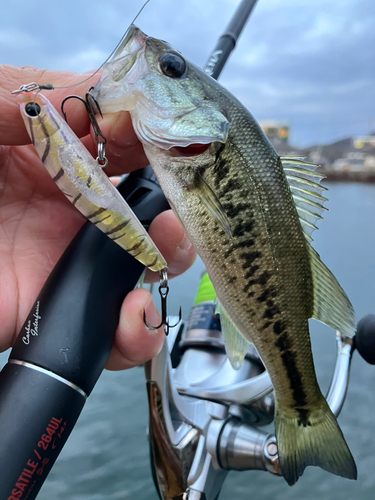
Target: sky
(310, 64)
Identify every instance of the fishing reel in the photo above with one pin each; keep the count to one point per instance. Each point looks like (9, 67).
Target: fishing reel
(206, 418)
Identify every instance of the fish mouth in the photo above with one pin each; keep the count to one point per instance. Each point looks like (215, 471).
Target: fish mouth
(166, 113)
(189, 151)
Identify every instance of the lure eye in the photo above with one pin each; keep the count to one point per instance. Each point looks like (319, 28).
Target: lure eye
(32, 109)
(172, 65)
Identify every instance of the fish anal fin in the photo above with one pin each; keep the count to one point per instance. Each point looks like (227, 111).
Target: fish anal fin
(236, 345)
(316, 441)
(331, 304)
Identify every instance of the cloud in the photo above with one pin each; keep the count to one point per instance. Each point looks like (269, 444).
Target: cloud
(310, 63)
(9, 37)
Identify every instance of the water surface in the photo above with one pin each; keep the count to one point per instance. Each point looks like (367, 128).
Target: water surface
(106, 456)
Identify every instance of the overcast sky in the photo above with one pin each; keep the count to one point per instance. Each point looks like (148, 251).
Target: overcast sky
(309, 63)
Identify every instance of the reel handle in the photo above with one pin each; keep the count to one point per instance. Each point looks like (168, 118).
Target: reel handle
(365, 338)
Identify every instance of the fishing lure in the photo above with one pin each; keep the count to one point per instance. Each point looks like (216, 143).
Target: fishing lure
(83, 181)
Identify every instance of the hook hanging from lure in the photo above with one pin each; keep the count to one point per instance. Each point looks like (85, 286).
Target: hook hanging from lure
(91, 105)
(163, 292)
(83, 181)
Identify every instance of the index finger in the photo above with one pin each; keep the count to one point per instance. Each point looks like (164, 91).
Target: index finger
(12, 130)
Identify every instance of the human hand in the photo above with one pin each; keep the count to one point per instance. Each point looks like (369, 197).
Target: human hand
(37, 222)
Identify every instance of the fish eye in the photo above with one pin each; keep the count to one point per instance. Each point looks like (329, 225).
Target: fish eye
(32, 109)
(172, 65)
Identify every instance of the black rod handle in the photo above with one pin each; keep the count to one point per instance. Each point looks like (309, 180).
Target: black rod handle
(64, 345)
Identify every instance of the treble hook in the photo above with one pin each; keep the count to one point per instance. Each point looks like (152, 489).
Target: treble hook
(91, 105)
(163, 292)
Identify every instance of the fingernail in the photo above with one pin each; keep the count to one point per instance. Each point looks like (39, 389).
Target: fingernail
(184, 244)
(115, 179)
(153, 317)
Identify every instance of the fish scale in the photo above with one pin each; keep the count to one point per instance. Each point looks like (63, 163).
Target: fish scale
(257, 270)
(247, 212)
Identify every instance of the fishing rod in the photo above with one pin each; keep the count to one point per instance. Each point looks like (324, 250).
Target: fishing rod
(65, 341)
(204, 416)
(227, 41)
(64, 344)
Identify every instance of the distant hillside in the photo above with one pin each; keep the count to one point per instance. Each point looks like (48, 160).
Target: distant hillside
(330, 152)
(351, 159)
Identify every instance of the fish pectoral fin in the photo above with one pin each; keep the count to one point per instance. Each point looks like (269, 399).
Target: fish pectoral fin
(331, 305)
(236, 345)
(210, 200)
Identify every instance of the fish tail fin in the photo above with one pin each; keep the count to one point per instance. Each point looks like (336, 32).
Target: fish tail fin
(313, 439)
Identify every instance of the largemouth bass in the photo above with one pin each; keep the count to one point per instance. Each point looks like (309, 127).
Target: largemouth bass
(249, 214)
(83, 181)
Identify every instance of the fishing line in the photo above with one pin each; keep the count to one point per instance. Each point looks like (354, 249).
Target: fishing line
(29, 87)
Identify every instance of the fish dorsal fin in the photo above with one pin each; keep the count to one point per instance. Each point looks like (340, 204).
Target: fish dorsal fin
(331, 305)
(236, 345)
(304, 183)
(209, 198)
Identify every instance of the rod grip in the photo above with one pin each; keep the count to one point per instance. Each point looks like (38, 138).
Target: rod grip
(64, 345)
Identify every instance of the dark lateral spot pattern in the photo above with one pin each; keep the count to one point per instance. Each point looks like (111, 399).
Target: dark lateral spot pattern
(249, 242)
(243, 244)
(271, 312)
(243, 227)
(249, 258)
(251, 271)
(277, 327)
(288, 358)
(221, 170)
(263, 278)
(264, 295)
(232, 210)
(260, 280)
(233, 184)
(303, 417)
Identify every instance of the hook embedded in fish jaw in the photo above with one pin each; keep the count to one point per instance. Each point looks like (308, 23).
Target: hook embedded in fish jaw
(163, 292)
